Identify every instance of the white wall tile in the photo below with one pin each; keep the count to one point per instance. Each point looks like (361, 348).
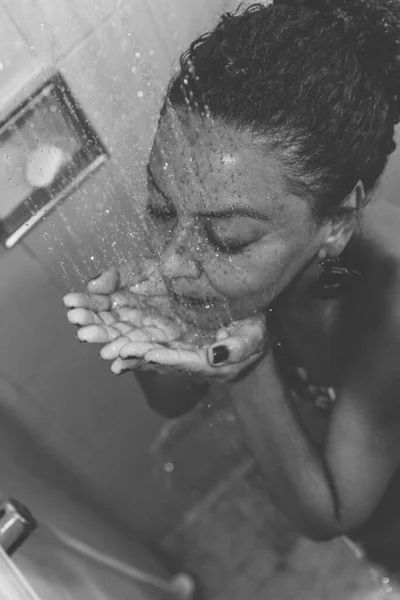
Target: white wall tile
(181, 22)
(17, 62)
(53, 27)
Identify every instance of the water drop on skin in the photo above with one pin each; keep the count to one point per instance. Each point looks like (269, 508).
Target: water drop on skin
(140, 94)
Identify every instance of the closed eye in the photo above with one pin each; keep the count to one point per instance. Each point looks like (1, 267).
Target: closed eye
(161, 213)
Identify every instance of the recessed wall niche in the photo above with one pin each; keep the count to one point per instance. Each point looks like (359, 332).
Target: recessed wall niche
(47, 148)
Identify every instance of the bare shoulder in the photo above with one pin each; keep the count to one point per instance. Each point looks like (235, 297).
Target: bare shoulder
(371, 316)
(379, 230)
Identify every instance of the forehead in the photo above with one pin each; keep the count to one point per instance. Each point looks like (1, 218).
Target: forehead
(208, 162)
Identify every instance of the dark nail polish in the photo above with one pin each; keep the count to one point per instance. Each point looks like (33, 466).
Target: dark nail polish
(132, 357)
(220, 354)
(150, 362)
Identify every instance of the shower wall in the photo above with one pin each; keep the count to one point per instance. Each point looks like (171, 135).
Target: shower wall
(96, 428)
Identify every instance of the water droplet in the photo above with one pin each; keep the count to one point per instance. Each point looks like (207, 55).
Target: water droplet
(1, 66)
(169, 467)
(140, 94)
(137, 54)
(133, 69)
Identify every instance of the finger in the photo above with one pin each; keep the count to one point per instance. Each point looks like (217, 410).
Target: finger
(122, 298)
(120, 366)
(123, 328)
(98, 334)
(249, 340)
(150, 334)
(187, 360)
(106, 283)
(133, 316)
(107, 318)
(138, 349)
(111, 350)
(91, 302)
(136, 271)
(172, 329)
(82, 317)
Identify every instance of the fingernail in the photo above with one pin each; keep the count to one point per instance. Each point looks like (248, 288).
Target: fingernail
(220, 354)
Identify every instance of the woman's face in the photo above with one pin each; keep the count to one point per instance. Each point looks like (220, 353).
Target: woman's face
(228, 237)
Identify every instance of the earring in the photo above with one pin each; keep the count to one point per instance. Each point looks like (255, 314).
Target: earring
(336, 277)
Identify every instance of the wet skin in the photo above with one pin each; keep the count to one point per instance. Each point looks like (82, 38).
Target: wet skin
(244, 262)
(222, 223)
(229, 239)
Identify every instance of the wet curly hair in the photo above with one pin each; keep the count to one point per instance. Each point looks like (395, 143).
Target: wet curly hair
(316, 80)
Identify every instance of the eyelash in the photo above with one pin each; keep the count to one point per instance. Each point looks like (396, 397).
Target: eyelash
(223, 246)
(168, 215)
(163, 215)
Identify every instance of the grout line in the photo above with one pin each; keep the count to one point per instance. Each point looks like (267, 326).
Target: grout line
(160, 36)
(18, 28)
(82, 41)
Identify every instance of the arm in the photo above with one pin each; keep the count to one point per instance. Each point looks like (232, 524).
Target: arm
(171, 396)
(329, 492)
(334, 491)
(294, 471)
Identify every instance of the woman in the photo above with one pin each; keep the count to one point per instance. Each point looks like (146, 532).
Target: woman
(273, 137)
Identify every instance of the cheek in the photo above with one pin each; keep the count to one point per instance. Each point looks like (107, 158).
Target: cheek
(263, 272)
(236, 276)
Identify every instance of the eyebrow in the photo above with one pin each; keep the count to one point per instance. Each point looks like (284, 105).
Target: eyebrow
(244, 211)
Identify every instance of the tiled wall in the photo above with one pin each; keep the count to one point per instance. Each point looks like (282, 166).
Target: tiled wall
(96, 425)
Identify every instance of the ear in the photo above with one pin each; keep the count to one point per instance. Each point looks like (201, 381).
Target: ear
(341, 227)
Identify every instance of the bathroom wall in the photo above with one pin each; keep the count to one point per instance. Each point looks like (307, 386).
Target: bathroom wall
(97, 428)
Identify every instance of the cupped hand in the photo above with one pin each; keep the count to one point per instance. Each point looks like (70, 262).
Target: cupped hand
(135, 337)
(236, 348)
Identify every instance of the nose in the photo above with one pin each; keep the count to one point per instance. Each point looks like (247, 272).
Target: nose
(178, 259)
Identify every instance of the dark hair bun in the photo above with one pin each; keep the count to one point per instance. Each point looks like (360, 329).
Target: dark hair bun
(373, 27)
